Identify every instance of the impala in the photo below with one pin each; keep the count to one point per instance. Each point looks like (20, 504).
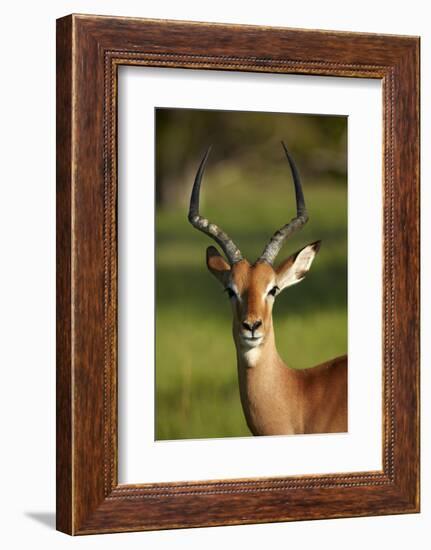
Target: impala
(276, 399)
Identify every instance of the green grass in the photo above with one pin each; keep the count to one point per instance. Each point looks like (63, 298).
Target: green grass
(197, 393)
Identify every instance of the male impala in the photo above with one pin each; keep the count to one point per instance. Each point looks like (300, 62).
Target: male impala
(276, 399)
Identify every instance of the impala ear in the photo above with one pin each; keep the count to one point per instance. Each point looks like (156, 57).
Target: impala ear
(294, 268)
(218, 266)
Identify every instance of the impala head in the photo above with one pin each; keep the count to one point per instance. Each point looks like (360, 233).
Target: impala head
(252, 288)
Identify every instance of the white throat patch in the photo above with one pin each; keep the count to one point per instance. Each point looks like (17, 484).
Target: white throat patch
(252, 356)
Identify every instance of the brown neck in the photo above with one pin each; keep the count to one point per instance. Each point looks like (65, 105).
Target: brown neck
(279, 400)
(266, 385)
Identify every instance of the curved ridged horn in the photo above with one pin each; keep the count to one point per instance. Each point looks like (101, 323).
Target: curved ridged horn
(230, 249)
(277, 240)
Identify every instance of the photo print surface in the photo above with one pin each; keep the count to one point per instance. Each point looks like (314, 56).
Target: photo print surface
(251, 274)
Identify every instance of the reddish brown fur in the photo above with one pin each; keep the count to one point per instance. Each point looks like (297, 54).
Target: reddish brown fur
(276, 399)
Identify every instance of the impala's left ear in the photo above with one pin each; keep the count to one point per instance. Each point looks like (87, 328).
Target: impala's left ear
(293, 270)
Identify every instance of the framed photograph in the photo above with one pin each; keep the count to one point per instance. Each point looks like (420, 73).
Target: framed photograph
(237, 274)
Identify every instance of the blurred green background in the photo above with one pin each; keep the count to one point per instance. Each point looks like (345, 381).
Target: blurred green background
(248, 191)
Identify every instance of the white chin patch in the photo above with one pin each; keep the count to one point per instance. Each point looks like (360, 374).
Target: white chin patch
(251, 342)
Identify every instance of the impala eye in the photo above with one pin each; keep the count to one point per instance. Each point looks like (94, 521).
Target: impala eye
(231, 293)
(273, 291)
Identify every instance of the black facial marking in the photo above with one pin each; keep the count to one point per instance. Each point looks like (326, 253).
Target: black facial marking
(273, 291)
(231, 293)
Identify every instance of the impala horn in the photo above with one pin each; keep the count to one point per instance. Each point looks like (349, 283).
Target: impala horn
(232, 252)
(277, 240)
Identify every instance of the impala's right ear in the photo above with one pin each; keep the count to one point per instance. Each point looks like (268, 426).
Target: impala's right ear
(218, 266)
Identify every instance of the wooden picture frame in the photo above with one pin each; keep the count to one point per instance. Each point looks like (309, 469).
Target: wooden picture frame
(89, 51)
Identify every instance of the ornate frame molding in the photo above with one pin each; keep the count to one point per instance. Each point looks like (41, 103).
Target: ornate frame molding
(89, 498)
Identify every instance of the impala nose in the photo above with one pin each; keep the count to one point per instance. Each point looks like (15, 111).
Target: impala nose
(251, 327)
